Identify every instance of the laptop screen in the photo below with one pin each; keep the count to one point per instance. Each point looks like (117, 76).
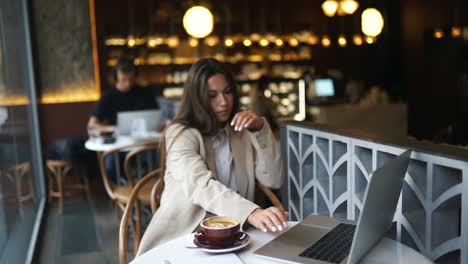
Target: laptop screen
(126, 121)
(324, 88)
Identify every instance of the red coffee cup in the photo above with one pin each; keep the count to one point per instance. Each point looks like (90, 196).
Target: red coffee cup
(219, 231)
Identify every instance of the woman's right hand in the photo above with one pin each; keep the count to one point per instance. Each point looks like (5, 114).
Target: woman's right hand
(270, 219)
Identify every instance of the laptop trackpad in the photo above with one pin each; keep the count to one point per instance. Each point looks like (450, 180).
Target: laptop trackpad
(293, 242)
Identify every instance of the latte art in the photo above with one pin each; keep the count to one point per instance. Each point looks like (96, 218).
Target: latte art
(219, 224)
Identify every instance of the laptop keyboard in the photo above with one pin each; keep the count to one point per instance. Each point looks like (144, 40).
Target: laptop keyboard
(334, 246)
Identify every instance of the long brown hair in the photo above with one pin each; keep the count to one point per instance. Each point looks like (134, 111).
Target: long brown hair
(195, 108)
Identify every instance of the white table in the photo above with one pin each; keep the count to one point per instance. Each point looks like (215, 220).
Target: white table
(175, 251)
(98, 145)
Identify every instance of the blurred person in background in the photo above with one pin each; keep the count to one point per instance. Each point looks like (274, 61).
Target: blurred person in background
(125, 95)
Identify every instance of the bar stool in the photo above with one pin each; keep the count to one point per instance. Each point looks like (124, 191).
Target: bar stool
(58, 173)
(19, 175)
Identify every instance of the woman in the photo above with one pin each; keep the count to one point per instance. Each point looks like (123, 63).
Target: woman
(211, 156)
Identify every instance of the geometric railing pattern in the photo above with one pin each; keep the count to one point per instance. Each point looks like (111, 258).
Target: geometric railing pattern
(327, 174)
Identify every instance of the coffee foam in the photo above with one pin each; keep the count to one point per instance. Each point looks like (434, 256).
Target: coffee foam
(219, 222)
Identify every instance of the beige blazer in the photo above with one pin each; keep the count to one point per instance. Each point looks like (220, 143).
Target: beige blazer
(191, 189)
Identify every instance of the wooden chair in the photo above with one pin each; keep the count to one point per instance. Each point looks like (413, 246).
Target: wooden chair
(155, 199)
(58, 173)
(20, 175)
(271, 196)
(134, 202)
(118, 192)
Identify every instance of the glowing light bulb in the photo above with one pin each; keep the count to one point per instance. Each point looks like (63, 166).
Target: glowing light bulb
(228, 42)
(342, 41)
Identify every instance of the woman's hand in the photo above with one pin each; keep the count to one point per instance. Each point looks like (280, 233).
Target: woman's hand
(270, 219)
(247, 119)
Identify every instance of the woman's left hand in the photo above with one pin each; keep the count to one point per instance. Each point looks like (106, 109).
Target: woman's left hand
(247, 119)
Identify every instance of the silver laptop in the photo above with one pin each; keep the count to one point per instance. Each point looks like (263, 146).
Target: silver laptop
(321, 239)
(125, 120)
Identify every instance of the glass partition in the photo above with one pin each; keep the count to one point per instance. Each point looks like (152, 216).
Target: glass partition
(22, 195)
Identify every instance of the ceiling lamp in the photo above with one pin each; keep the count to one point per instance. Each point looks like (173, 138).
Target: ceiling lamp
(293, 42)
(193, 42)
(370, 40)
(152, 43)
(312, 40)
(173, 41)
(247, 42)
(372, 22)
(131, 42)
(330, 7)
(357, 40)
(456, 32)
(155, 41)
(198, 21)
(279, 42)
(326, 42)
(212, 41)
(342, 41)
(228, 42)
(349, 6)
(438, 33)
(264, 42)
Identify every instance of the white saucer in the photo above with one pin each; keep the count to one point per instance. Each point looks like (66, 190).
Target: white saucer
(227, 250)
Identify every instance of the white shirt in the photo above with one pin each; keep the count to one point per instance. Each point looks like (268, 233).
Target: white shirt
(222, 156)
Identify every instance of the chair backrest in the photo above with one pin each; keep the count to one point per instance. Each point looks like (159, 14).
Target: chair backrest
(271, 196)
(134, 150)
(141, 161)
(133, 202)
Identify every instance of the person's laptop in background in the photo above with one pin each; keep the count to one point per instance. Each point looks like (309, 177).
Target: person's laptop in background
(126, 121)
(321, 239)
(324, 88)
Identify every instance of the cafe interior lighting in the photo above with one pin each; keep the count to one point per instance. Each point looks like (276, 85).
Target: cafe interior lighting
(342, 41)
(293, 42)
(212, 41)
(152, 43)
(173, 42)
(312, 40)
(330, 7)
(357, 40)
(228, 42)
(279, 42)
(370, 40)
(193, 42)
(372, 22)
(255, 37)
(456, 32)
(198, 21)
(438, 33)
(264, 42)
(302, 99)
(271, 37)
(131, 42)
(247, 42)
(155, 41)
(349, 6)
(115, 42)
(326, 42)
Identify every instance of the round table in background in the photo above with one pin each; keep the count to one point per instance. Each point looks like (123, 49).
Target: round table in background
(98, 145)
